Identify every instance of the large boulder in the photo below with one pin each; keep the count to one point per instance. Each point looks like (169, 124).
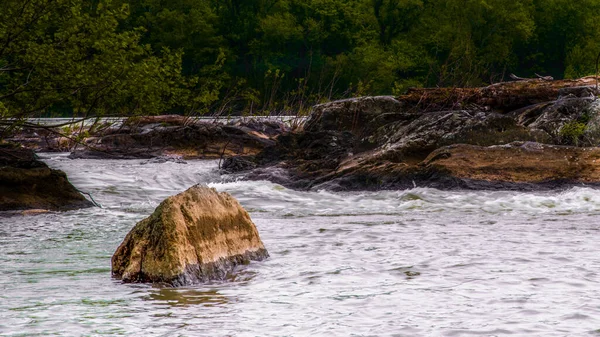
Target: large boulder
(28, 183)
(192, 237)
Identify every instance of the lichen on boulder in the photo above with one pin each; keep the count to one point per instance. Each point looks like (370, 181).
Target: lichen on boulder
(193, 237)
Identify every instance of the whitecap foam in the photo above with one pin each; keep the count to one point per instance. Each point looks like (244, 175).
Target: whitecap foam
(127, 183)
(265, 196)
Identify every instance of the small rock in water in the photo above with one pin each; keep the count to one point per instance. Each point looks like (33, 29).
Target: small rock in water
(196, 236)
(237, 164)
(164, 159)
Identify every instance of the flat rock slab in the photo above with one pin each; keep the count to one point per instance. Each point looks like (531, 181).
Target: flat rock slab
(519, 162)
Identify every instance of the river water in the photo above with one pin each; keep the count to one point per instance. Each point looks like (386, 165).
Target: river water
(421, 262)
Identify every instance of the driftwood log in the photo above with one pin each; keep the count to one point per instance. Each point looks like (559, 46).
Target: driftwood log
(501, 97)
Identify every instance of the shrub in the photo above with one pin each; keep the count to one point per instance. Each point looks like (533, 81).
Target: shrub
(572, 133)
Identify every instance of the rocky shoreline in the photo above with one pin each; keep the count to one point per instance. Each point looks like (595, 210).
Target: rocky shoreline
(168, 136)
(525, 135)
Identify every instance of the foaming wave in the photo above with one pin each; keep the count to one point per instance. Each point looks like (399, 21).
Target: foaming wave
(127, 183)
(574, 200)
(264, 196)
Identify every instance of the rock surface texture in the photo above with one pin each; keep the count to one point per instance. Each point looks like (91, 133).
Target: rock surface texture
(195, 236)
(512, 135)
(180, 137)
(167, 136)
(27, 183)
(189, 141)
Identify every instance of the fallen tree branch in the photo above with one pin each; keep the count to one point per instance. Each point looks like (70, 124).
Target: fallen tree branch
(91, 197)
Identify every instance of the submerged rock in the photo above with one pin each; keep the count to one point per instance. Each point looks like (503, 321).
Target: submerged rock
(195, 236)
(27, 183)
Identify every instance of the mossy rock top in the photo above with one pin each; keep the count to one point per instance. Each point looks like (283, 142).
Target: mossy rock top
(192, 237)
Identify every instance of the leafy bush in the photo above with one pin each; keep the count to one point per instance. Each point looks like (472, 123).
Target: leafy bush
(572, 133)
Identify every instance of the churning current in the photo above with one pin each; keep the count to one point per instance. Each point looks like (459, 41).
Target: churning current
(420, 262)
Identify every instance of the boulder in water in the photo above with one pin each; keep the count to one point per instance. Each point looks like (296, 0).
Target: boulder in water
(196, 236)
(27, 183)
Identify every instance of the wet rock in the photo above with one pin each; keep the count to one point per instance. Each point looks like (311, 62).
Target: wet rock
(196, 236)
(387, 142)
(28, 183)
(360, 116)
(188, 141)
(519, 163)
(147, 137)
(554, 116)
(591, 135)
(237, 164)
(40, 140)
(431, 130)
(164, 159)
(585, 91)
(516, 166)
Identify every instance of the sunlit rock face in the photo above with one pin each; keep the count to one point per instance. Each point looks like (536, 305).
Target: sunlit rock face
(193, 237)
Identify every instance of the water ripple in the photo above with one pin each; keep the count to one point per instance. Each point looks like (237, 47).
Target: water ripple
(421, 262)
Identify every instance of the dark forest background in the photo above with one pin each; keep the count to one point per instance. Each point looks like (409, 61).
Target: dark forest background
(67, 57)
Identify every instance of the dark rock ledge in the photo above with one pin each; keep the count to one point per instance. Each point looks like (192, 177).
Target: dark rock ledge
(524, 135)
(26, 183)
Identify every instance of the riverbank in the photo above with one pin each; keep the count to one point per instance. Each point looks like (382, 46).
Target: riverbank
(147, 137)
(523, 135)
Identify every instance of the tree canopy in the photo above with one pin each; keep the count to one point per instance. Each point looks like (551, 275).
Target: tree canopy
(124, 57)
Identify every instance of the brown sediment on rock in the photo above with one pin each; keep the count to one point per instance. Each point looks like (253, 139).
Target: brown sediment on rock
(27, 183)
(518, 163)
(514, 166)
(195, 236)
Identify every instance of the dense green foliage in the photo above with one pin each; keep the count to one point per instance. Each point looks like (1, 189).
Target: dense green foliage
(282, 56)
(58, 54)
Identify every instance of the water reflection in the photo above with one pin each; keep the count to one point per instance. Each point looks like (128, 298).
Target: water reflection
(182, 297)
